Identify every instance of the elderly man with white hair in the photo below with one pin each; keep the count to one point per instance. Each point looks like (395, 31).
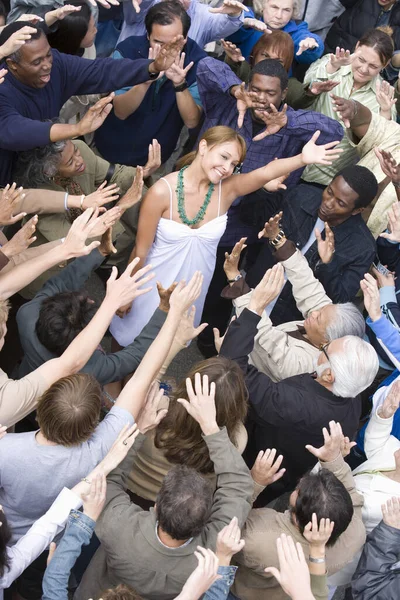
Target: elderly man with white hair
(292, 348)
(292, 413)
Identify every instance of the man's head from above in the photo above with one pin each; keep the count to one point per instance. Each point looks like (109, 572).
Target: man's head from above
(4, 310)
(184, 503)
(221, 150)
(269, 80)
(323, 494)
(347, 366)
(348, 194)
(166, 20)
(32, 63)
(61, 318)
(278, 13)
(38, 166)
(334, 321)
(277, 45)
(69, 411)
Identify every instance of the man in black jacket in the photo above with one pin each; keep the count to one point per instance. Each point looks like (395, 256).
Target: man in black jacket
(290, 414)
(359, 16)
(307, 208)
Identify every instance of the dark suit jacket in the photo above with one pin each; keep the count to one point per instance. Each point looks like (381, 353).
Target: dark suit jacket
(104, 367)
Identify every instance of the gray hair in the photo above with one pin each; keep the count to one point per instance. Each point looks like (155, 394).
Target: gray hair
(354, 368)
(347, 321)
(36, 167)
(258, 6)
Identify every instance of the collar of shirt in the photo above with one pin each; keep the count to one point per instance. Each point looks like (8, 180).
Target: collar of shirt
(189, 541)
(347, 72)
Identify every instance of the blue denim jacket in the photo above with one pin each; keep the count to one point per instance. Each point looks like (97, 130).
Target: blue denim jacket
(220, 589)
(78, 533)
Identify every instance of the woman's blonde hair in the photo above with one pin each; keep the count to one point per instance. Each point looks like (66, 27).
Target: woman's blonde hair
(215, 136)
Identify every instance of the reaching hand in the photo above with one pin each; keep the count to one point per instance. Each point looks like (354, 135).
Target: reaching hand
(105, 221)
(346, 446)
(201, 405)
(274, 119)
(106, 243)
(232, 51)
(96, 115)
(385, 95)
(153, 160)
(391, 403)
(165, 295)
(372, 301)
(345, 109)
(341, 58)
(134, 193)
(59, 14)
(320, 155)
(136, 5)
(150, 415)
(93, 501)
(267, 290)
(80, 230)
(316, 536)
(177, 72)
(31, 18)
(393, 224)
(230, 7)
(16, 41)
(293, 574)
(383, 279)
(307, 44)
(271, 227)
(167, 55)
(218, 338)
(184, 296)
(3, 73)
(127, 287)
(22, 239)
(391, 512)
(11, 198)
(119, 449)
(250, 23)
(229, 542)
(332, 443)
(186, 331)
(276, 184)
(326, 247)
(266, 470)
(322, 87)
(105, 3)
(245, 100)
(3, 431)
(231, 263)
(388, 165)
(103, 195)
(202, 578)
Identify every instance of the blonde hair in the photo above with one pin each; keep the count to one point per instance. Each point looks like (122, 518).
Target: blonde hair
(215, 136)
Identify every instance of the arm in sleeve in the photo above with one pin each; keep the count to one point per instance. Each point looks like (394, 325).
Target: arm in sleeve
(374, 577)
(303, 124)
(233, 496)
(318, 70)
(308, 56)
(377, 436)
(387, 333)
(216, 26)
(39, 536)
(214, 80)
(18, 133)
(19, 397)
(116, 366)
(78, 533)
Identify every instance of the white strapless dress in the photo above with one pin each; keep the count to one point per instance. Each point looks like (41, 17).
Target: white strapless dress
(177, 252)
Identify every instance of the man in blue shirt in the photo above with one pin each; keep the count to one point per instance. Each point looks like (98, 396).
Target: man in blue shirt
(159, 109)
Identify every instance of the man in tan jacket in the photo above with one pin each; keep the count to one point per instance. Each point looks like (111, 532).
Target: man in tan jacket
(292, 348)
(329, 492)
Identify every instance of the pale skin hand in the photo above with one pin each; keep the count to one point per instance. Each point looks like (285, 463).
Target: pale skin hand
(322, 87)
(393, 224)
(276, 184)
(218, 338)
(320, 155)
(341, 58)
(93, 501)
(3, 432)
(232, 8)
(118, 451)
(186, 330)
(326, 247)
(293, 574)
(372, 302)
(346, 446)
(150, 416)
(202, 578)
(231, 263)
(266, 470)
(3, 73)
(134, 194)
(388, 165)
(105, 3)
(107, 220)
(318, 535)
(332, 443)
(201, 404)
(229, 542)
(177, 72)
(385, 96)
(250, 23)
(391, 403)
(11, 198)
(306, 44)
(274, 120)
(60, 13)
(22, 239)
(154, 159)
(267, 290)
(103, 195)
(232, 51)
(391, 512)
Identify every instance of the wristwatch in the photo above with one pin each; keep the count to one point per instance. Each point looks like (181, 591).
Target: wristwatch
(181, 87)
(278, 238)
(236, 278)
(153, 75)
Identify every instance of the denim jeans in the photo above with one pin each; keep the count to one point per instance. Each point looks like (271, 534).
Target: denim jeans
(78, 533)
(220, 589)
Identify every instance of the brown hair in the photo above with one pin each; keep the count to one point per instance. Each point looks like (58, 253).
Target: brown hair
(381, 41)
(280, 43)
(214, 137)
(69, 411)
(179, 435)
(4, 310)
(121, 592)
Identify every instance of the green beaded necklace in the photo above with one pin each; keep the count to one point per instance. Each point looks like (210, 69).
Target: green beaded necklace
(180, 194)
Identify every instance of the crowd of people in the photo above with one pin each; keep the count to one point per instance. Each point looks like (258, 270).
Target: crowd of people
(231, 173)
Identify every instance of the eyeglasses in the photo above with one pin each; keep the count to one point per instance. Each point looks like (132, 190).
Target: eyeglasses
(323, 348)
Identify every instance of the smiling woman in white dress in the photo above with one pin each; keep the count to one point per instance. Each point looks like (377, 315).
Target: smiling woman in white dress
(183, 216)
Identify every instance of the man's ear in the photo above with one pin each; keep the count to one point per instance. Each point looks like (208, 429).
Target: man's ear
(328, 376)
(357, 211)
(11, 64)
(284, 93)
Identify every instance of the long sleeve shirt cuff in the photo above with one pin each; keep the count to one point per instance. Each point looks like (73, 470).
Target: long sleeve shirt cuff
(387, 294)
(237, 289)
(285, 251)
